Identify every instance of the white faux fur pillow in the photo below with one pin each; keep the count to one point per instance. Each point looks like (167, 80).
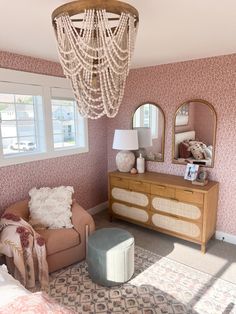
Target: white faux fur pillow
(51, 208)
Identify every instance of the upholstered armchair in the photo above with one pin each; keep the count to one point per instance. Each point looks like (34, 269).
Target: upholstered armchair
(64, 246)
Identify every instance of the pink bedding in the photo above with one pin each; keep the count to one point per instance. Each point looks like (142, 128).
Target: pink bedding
(38, 303)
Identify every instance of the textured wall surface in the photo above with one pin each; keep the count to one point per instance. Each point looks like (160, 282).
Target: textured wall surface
(212, 79)
(87, 172)
(18, 62)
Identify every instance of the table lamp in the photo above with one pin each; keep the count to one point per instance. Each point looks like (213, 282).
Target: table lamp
(125, 140)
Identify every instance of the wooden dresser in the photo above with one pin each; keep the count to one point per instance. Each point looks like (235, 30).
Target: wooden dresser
(165, 203)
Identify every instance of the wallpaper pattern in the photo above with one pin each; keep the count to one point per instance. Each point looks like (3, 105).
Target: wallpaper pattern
(87, 172)
(212, 79)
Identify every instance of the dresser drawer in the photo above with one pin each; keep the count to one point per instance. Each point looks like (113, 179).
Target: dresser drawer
(119, 182)
(189, 196)
(131, 197)
(176, 208)
(139, 186)
(162, 190)
(176, 225)
(130, 212)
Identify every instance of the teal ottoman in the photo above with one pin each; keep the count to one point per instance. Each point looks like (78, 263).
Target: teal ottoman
(110, 256)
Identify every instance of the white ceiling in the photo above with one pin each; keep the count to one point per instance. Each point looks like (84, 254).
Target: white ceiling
(169, 30)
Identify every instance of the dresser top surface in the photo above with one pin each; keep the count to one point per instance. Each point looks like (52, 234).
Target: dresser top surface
(162, 178)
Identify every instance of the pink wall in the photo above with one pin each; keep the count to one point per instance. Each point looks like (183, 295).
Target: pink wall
(212, 79)
(86, 172)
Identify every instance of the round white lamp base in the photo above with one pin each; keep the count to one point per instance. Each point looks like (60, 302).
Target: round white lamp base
(125, 160)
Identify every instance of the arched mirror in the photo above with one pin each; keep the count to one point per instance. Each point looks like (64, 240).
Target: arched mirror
(149, 120)
(194, 133)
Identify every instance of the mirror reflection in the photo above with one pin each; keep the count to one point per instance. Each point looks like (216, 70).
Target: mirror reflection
(194, 133)
(149, 120)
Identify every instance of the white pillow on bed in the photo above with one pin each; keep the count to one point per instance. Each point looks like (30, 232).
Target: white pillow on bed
(51, 207)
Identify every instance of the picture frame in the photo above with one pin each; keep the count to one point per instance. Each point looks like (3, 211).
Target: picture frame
(191, 172)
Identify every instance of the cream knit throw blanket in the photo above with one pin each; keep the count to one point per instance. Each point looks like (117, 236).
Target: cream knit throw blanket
(27, 248)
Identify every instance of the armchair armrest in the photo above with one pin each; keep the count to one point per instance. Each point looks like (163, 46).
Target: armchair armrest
(81, 218)
(20, 209)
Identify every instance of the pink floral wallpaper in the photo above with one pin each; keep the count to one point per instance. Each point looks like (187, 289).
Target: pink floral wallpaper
(9, 60)
(86, 172)
(212, 79)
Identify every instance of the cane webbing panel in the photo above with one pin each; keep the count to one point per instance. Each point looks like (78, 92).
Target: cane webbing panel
(177, 208)
(130, 197)
(172, 224)
(130, 212)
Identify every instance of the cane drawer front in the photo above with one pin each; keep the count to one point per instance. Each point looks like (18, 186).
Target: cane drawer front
(139, 186)
(131, 197)
(176, 225)
(130, 212)
(162, 190)
(176, 208)
(189, 195)
(119, 182)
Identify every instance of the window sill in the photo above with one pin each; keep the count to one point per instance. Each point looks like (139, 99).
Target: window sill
(15, 160)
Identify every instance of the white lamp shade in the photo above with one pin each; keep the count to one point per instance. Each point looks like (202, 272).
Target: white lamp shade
(144, 137)
(125, 140)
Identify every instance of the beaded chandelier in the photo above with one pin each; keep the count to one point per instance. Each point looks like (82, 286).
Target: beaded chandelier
(95, 51)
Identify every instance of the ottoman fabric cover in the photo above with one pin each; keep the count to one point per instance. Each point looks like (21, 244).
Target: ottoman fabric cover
(110, 256)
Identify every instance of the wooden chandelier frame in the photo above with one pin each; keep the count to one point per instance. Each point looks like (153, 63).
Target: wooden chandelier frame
(79, 6)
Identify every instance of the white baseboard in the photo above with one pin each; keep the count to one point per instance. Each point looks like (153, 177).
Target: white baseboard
(98, 208)
(230, 238)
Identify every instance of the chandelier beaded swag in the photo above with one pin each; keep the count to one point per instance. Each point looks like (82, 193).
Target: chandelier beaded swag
(95, 51)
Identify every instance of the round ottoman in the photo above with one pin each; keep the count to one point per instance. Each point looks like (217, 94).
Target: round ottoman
(110, 256)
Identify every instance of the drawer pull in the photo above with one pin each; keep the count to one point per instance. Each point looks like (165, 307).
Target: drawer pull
(174, 199)
(138, 182)
(161, 186)
(188, 191)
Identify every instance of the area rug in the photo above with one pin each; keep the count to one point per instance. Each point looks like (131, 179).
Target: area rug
(159, 285)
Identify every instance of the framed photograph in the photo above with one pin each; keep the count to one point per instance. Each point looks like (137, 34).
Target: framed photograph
(191, 172)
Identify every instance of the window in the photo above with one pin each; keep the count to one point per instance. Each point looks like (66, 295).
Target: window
(67, 124)
(147, 116)
(20, 127)
(38, 121)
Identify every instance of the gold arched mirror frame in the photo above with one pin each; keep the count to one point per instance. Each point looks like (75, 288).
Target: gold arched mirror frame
(149, 153)
(175, 141)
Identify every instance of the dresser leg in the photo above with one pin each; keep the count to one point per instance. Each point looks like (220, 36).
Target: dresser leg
(203, 248)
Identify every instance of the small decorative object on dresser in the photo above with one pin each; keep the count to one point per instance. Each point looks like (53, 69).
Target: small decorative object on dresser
(201, 178)
(191, 172)
(140, 164)
(165, 203)
(125, 140)
(133, 171)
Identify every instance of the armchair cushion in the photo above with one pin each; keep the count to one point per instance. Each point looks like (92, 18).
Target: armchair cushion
(51, 208)
(58, 239)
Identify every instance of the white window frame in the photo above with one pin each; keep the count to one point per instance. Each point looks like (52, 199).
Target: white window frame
(47, 83)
